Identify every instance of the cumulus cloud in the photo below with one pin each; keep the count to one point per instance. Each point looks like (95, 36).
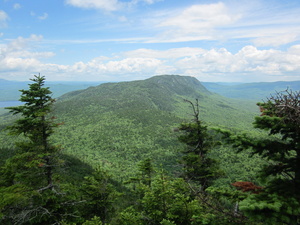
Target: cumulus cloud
(248, 64)
(17, 55)
(249, 60)
(120, 68)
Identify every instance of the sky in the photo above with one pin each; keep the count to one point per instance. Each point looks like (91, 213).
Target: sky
(124, 40)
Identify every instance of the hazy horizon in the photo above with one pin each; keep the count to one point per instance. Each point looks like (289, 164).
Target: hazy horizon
(93, 82)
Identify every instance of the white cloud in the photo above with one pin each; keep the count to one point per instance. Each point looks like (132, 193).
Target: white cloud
(122, 67)
(3, 18)
(249, 60)
(108, 5)
(146, 1)
(16, 6)
(248, 64)
(43, 17)
(17, 55)
(21, 43)
(169, 54)
(257, 23)
(294, 50)
(276, 40)
(198, 22)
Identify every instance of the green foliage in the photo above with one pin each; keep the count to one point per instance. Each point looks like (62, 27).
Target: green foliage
(29, 182)
(146, 169)
(117, 124)
(166, 201)
(112, 127)
(280, 117)
(198, 166)
(271, 208)
(94, 221)
(99, 196)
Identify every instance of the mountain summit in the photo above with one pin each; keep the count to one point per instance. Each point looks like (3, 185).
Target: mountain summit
(182, 85)
(154, 96)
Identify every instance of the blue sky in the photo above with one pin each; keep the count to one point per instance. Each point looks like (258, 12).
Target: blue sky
(120, 40)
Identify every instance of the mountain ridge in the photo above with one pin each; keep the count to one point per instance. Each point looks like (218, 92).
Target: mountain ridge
(115, 125)
(252, 91)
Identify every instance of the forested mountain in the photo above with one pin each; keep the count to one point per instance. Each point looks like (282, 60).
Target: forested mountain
(162, 142)
(251, 91)
(118, 124)
(162, 93)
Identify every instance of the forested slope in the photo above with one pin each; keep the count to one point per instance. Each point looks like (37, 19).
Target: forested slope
(143, 134)
(118, 124)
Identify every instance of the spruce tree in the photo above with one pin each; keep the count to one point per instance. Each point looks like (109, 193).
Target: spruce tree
(28, 187)
(279, 201)
(198, 166)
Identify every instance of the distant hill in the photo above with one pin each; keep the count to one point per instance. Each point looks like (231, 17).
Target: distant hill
(9, 90)
(252, 91)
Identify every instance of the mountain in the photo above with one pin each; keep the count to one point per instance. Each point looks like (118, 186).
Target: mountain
(9, 90)
(251, 91)
(164, 94)
(115, 125)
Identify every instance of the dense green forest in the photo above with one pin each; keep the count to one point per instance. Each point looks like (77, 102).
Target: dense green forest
(159, 151)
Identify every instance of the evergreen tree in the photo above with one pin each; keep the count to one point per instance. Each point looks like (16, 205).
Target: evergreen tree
(198, 166)
(99, 196)
(146, 171)
(165, 201)
(30, 192)
(279, 201)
